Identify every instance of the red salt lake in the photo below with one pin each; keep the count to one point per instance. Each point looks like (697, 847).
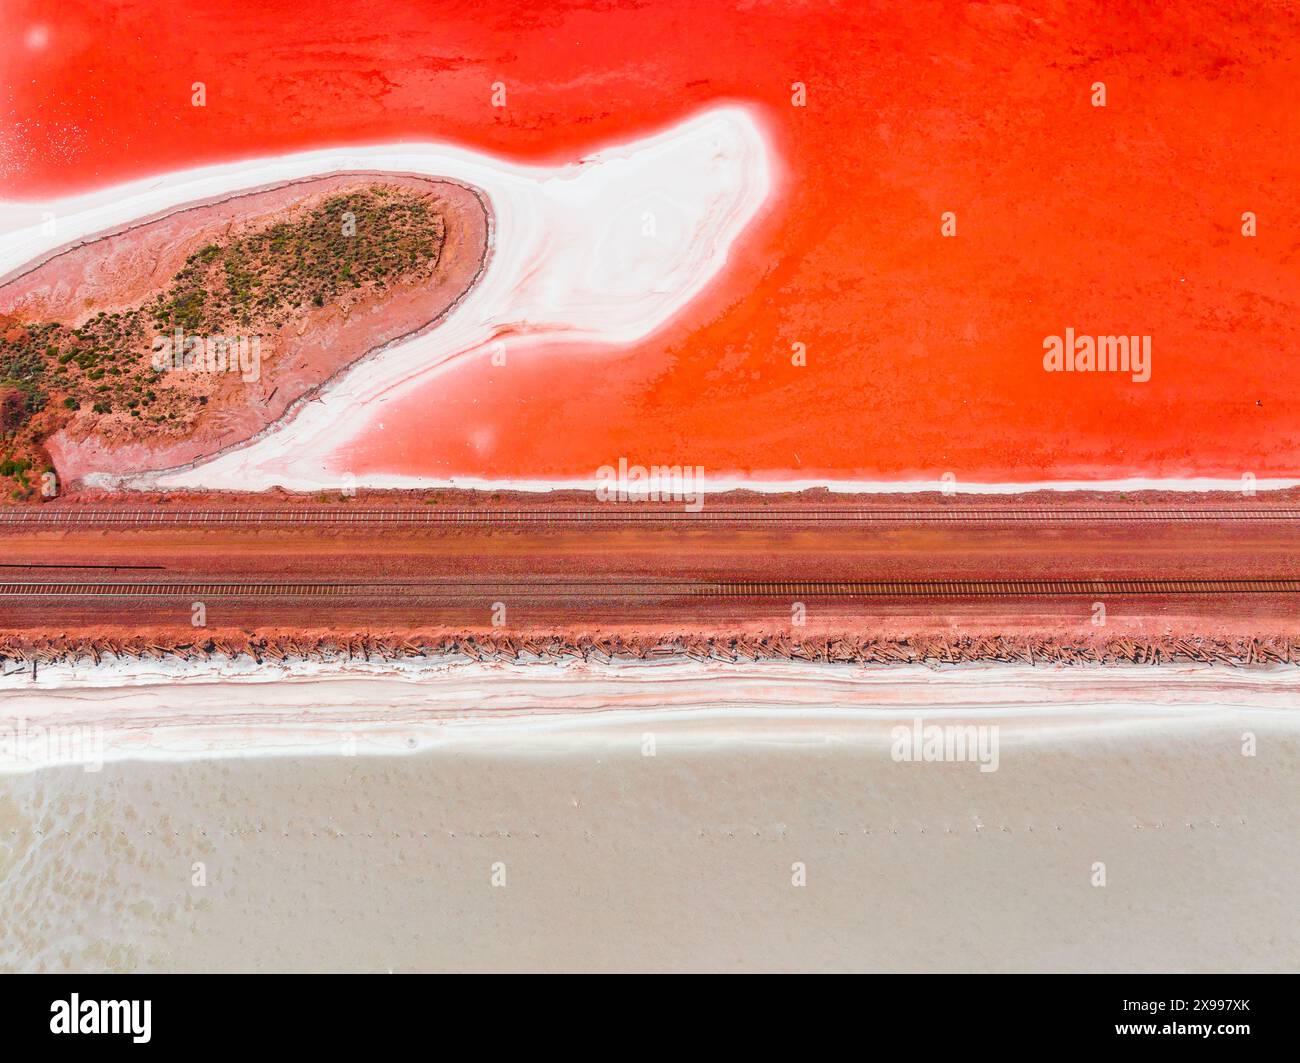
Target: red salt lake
(924, 353)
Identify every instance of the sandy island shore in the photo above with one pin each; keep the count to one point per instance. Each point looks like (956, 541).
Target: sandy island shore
(125, 267)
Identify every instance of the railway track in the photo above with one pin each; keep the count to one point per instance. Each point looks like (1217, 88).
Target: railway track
(618, 589)
(52, 517)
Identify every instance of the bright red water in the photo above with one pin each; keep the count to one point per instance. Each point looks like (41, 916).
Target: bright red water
(924, 353)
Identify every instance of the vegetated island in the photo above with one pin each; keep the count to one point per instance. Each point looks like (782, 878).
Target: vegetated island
(176, 338)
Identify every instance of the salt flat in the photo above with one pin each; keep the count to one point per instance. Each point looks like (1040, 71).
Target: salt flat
(654, 817)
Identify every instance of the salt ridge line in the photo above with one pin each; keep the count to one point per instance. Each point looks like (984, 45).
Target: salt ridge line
(974, 683)
(738, 482)
(801, 514)
(570, 262)
(610, 707)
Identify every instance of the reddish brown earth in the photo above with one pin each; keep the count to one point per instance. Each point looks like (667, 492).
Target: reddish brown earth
(271, 645)
(123, 268)
(627, 564)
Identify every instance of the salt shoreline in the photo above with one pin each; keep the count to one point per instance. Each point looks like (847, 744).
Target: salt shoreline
(739, 482)
(238, 709)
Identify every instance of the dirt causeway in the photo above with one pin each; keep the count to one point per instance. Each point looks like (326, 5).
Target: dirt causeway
(599, 589)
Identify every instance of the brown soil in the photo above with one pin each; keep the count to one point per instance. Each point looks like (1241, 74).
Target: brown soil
(843, 648)
(494, 561)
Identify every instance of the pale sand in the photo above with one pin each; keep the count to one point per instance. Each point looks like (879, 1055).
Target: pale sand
(681, 860)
